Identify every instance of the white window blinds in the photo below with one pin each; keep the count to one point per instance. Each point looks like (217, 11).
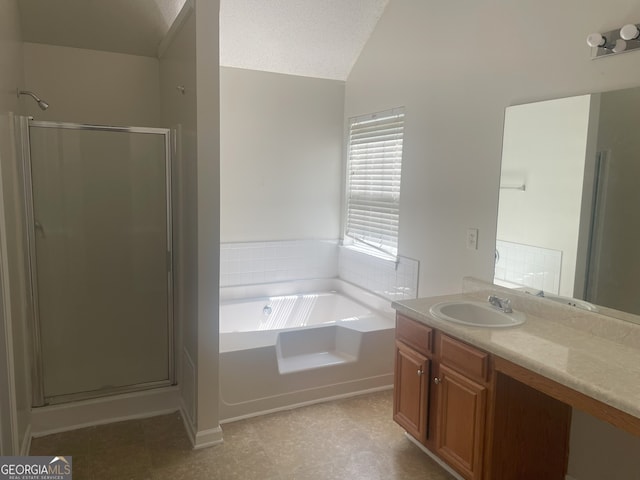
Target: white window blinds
(373, 179)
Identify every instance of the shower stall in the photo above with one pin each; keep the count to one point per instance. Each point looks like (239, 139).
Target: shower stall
(98, 206)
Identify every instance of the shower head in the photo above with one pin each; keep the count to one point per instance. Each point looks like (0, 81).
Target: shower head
(41, 103)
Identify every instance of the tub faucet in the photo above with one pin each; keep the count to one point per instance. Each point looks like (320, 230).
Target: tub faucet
(502, 304)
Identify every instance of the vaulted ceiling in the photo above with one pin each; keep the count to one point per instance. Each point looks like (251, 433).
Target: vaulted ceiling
(316, 38)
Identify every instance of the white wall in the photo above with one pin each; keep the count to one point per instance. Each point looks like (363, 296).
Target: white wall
(208, 117)
(177, 67)
(455, 89)
(191, 61)
(281, 151)
(547, 213)
(15, 401)
(91, 86)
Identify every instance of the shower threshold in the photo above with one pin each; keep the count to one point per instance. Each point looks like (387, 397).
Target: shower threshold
(103, 392)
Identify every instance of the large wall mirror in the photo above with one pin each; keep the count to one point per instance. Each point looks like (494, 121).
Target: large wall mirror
(569, 206)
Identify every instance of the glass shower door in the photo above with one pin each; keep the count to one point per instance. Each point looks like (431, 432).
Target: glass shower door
(101, 242)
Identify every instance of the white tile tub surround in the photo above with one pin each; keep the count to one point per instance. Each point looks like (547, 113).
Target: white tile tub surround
(528, 266)
(249, 263)
(255, 263)
(386, 278)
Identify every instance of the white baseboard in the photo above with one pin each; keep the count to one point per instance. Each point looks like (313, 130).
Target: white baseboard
(187, 421)
(188, 386)
(203, 439)
(26, 442)
(208, 438)
(98, 411)
(307, 403)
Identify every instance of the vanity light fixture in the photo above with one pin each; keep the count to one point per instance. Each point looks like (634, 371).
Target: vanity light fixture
(630, 32)
(621, 40)
(600, 41)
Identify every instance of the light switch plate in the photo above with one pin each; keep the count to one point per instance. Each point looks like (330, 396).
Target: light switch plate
(472, 238)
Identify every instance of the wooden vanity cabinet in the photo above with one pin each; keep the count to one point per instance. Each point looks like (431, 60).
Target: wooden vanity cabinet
(412, 377)
(458, 402)
(440, 394)
(461, 384)
(411, 391)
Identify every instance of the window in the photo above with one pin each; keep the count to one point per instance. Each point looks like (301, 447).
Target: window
(374, 165)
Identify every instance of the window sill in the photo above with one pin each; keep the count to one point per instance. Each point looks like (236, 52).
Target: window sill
(372, 252)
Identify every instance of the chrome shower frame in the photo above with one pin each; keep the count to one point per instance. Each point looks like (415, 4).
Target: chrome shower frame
(39, 399)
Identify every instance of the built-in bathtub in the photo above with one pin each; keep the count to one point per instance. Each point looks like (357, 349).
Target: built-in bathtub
(294, 343)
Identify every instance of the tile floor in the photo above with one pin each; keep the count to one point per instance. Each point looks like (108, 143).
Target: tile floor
(346, 439)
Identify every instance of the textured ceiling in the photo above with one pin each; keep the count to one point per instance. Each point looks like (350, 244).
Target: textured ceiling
(315, 38)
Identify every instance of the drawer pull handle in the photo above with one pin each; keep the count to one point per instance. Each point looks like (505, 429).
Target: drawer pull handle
(437, 381)
(420, 372)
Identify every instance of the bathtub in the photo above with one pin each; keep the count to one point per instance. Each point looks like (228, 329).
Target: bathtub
(295, 343)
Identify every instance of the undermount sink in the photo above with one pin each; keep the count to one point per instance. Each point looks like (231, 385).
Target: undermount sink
(476, 314)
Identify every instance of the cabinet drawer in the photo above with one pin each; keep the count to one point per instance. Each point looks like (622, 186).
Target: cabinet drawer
(414, 334)
(463, 358)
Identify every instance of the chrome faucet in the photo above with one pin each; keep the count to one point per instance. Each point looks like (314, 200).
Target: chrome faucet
(502, 304)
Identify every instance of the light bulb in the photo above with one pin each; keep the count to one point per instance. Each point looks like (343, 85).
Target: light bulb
(596, 40)
(630, 32)
(620, 46)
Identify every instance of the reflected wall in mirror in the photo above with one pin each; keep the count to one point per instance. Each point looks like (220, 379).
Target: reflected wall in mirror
(569, 195)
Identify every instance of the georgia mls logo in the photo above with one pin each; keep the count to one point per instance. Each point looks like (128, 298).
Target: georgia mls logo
(63, 463)
(36, 468)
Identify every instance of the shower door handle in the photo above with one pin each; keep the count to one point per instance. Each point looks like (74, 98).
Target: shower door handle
(39, 228)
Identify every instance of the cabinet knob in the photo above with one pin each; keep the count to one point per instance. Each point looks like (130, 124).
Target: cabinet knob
(436, 380)
(420, 372)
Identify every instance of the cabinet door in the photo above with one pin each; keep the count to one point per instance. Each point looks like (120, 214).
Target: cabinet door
(460, 422)
(411, 391)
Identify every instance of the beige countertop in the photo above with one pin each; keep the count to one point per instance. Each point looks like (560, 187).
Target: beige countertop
(596, 365)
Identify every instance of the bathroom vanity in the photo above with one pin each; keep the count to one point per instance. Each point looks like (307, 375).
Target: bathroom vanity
(495, 403)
